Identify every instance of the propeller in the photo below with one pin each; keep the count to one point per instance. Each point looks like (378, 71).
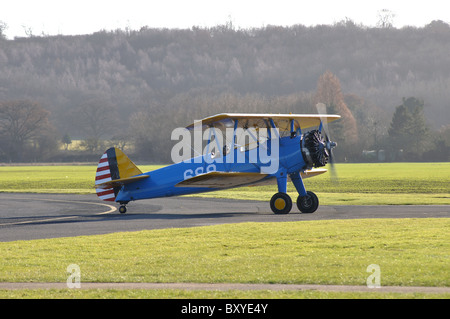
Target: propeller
(328, 144)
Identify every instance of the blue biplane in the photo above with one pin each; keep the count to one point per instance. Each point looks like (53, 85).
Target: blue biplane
(241, 150)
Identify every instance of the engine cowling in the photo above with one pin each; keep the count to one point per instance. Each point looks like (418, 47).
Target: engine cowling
(316, 149)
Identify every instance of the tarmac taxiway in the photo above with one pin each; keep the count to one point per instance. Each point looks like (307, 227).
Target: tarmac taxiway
(26, 216)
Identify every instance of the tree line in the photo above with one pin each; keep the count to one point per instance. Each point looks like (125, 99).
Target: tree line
(133, 87)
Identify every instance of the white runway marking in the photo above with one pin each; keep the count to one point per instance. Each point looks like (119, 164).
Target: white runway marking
(110, 207)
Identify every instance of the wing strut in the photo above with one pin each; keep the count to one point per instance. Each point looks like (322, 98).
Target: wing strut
(272, 123)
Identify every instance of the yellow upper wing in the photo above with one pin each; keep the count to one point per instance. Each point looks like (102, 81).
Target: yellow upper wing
(281, 121)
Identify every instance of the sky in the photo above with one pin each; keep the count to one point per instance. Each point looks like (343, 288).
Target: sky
(53, 17)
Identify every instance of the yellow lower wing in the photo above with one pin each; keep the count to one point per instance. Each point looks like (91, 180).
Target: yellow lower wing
(234, 179)
(222, 180)
(313, 172)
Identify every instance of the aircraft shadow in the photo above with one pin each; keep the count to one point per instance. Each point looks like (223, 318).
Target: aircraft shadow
(72, 219)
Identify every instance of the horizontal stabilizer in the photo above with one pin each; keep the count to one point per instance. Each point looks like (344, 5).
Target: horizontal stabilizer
(120, 182)
(222, 180)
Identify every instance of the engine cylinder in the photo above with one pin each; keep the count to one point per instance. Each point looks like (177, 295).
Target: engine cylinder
(314, 149)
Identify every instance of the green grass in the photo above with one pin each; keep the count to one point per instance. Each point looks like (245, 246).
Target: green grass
(199, 294)
(387, 178)
(411, 252)
(359, 184)
(48, 179)
(367, 184)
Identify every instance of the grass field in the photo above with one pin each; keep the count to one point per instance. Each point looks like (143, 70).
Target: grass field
(410, 252)
(359, 184)
(368, 184)
(199, 294)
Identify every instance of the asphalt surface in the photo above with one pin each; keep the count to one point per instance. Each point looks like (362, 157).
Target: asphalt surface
(223, 287)
(37, 216)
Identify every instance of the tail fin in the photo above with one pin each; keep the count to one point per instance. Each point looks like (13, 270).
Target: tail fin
(113, 165)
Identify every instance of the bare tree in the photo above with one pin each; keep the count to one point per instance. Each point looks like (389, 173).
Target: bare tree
(385, 19)
(3, 27)
(345, 130)
(97, 118)
(21, 123)
(28, 31)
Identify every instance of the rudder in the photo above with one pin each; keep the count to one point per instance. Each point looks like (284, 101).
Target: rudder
(113, 165)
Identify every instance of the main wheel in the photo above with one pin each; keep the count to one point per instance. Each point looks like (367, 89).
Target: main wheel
(122, 209)
(281, 203)
(308, 204)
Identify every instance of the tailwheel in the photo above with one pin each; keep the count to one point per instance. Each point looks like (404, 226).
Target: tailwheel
(122, 209)
(281, 203)
(308, 204)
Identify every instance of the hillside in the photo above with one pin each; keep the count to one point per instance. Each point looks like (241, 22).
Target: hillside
(171, 77)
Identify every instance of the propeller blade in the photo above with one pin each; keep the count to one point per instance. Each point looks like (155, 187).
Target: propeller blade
(322, 110)
(333, 173)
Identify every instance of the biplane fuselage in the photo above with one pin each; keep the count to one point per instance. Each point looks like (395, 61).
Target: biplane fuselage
(237, 165)
(168, 181)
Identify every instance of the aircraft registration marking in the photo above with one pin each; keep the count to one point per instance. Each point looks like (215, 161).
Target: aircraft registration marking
(189, 173)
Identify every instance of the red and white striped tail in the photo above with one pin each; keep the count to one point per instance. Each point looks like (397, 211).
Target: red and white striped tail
(104, 175)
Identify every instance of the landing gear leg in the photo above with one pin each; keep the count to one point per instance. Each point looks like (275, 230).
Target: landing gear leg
(281, 203)
(307, 202)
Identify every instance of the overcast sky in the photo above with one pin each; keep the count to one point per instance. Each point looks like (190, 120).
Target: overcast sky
(53, 17)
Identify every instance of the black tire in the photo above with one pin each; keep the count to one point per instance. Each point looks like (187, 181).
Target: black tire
(281, 203)
(122, 209)
(308, 204)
